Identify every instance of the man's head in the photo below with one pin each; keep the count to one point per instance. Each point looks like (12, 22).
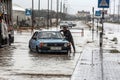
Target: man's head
(65, 27)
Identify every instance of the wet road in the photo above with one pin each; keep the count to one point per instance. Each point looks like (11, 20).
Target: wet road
(18, 63)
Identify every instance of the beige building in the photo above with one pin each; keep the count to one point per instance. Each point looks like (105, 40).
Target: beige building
(82, 13)
(18, 12)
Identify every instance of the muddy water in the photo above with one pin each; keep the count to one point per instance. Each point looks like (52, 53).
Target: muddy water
(18, 63)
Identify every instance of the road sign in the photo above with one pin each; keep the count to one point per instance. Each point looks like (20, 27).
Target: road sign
(98, 13)
(28, 12)
(103, 3)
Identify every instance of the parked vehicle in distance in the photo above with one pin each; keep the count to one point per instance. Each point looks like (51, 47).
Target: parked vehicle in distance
(49, 41)
(74, 24)
(62, 23)
(70, 24)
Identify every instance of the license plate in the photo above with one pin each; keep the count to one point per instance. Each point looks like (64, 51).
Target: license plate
(55, 48)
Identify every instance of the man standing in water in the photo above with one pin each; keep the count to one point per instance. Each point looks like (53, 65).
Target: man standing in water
(68, 36)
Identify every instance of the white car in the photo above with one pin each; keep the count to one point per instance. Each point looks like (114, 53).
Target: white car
(65, 23)
(62, 23)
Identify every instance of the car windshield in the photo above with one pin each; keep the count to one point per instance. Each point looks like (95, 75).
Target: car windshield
(49, 35)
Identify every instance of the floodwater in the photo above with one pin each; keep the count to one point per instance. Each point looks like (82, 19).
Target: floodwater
(18, 63)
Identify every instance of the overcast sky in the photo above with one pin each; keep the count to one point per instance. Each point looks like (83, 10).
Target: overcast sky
(73, 5)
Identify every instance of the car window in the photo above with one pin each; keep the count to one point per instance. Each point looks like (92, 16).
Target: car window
(42, 35)
(34, 35)
(59, 35)
(49, 35)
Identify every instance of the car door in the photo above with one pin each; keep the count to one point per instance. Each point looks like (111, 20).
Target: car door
(33, 40)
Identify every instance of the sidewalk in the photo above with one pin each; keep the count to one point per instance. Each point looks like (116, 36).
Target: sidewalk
(92, 66)
(88, 68)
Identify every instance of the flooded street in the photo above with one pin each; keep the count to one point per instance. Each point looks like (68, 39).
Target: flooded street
(18, 63)
(81, 37)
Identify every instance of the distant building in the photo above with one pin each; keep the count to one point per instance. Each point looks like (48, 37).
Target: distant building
(19, 12)
(114, 18)
(83, 15)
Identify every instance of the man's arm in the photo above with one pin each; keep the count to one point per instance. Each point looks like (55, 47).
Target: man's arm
(61, 30)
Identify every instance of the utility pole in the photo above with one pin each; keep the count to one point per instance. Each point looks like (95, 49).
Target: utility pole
(110, 9)
(64, 8)
(32, 15)
(39, 12)
(114, 11)
(61, 6)
(51, 4)
(61, 9)
(48, 16)
(93, 24)
(51, 13)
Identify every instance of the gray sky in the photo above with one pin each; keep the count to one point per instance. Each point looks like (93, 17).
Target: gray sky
(73, 5)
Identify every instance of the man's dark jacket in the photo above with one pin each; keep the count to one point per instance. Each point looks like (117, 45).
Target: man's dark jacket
(67, 35)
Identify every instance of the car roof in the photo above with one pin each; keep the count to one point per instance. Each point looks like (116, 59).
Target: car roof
(46, 31)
